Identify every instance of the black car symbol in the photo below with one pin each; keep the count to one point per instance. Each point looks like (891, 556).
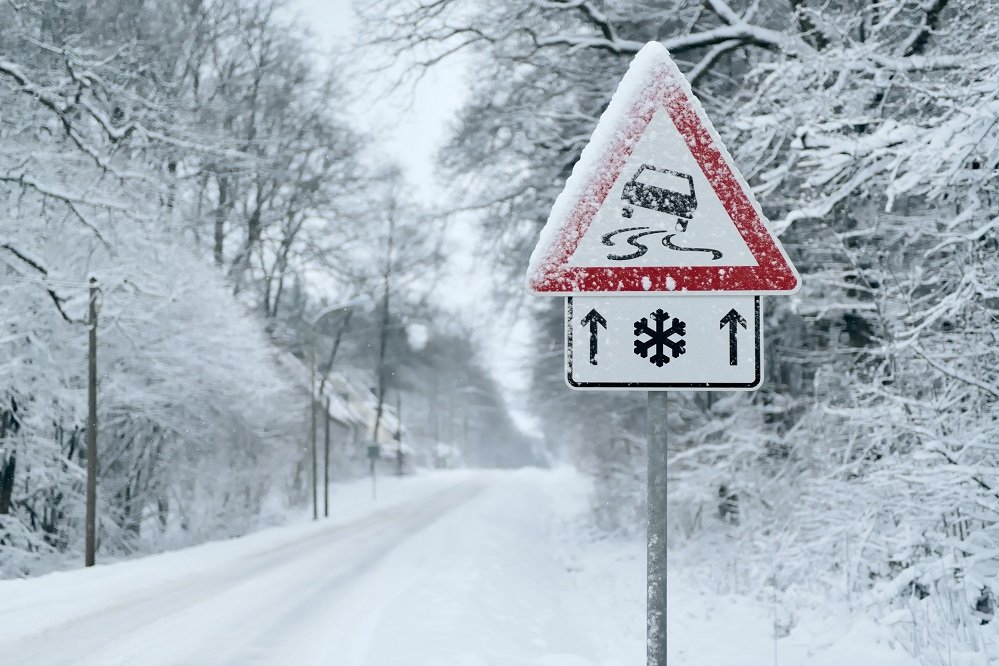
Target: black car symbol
(661, 190)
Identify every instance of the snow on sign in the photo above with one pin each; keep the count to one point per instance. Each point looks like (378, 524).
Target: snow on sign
(655, 203)
(658, 342)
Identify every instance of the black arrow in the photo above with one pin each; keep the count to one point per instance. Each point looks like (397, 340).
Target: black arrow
(593, 319)
(733, 318)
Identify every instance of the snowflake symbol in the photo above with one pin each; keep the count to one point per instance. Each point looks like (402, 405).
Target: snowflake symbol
(660, 338)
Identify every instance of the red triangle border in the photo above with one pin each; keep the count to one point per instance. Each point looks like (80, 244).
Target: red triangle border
(773, 272)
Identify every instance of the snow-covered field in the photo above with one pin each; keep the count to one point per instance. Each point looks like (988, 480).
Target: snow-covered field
(448, 569)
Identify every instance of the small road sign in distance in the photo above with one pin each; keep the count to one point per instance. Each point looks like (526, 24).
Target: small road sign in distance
(701, 343)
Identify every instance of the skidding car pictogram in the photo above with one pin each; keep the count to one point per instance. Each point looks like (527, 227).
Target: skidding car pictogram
(662, 190)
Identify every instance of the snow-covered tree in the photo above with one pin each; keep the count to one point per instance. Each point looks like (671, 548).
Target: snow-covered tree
(101, 172)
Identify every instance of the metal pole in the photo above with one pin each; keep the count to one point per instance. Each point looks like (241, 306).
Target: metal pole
(326, 463)
(91, 511)
(656, 554)
(312, 428)
(374, 485)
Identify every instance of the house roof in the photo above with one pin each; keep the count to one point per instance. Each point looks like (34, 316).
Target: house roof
(352, 402)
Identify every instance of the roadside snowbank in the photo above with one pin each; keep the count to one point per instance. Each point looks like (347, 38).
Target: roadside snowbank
(704, 628)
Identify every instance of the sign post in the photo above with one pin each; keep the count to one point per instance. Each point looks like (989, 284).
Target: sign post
(662, 253)
(656, 541)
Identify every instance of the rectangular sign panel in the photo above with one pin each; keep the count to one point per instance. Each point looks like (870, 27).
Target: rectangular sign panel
(701, 343)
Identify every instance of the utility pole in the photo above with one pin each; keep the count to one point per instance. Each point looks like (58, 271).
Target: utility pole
(312, 430)
(91, 511)
(326, 463)
(656, 554)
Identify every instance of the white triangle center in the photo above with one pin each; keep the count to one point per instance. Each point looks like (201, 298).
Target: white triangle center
(662, 211)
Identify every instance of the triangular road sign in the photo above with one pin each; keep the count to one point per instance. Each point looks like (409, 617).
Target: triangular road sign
(655, 203)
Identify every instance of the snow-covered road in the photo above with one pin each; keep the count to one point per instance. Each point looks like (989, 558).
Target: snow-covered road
(436, 579)
(445, 569)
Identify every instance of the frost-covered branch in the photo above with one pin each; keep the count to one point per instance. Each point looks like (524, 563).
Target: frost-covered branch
(56, 299)
(916, 42)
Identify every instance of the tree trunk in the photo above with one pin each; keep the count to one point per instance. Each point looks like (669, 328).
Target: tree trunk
(7, 483)
(219, 253)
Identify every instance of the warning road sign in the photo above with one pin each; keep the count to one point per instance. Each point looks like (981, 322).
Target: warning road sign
(708, 343)
(655, 203)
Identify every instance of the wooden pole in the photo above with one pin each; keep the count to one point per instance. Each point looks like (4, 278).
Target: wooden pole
(312, 429)
(326, 463)
(91, 510)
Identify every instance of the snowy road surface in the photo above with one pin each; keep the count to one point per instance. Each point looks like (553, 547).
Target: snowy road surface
(452, 569)
(436, 580)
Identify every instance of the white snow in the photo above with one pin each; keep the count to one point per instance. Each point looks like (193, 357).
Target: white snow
(449, 569)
